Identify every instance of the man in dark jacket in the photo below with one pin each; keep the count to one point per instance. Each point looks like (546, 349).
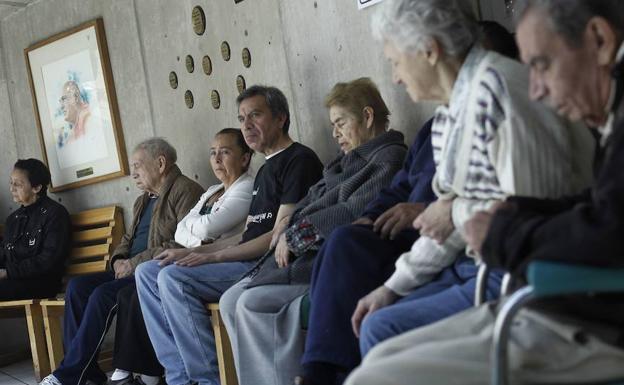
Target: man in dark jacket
(575, 50)
(91, 299)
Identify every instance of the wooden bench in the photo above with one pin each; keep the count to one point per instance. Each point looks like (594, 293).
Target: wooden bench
(227, 368)
(96, 234)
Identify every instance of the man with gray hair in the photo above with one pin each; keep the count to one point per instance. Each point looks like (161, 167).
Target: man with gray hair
(91, 299)
(575, 50)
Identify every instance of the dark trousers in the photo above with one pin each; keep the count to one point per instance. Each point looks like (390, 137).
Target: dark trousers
(89, 309)
(352, 262)
(133, 348)
(15, 289)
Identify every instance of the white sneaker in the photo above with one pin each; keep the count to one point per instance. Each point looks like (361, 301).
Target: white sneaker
(50, 380)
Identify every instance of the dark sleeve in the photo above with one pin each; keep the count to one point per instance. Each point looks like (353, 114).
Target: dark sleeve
(300, 173)
(54, 248)
(420, 166)
(591, 232)
(549, 206)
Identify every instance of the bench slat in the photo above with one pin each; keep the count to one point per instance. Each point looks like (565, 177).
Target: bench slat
(94, 216)
(89, 251)
(93, 234)
(86, 268)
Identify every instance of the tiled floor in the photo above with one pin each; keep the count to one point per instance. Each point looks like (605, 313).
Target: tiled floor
(21, 373)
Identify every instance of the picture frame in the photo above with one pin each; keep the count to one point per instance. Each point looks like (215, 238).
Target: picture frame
(75, 107)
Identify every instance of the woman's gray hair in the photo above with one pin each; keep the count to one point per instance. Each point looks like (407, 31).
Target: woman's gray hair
(411, 25)
(569, 18)
(156, 147)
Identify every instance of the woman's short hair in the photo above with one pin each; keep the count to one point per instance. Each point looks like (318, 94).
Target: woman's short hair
(37, 172)
(357, 94)
(411, 25)
(156, 147)
(240, 142)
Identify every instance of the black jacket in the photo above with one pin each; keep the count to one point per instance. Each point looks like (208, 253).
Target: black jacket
(36, 241)
(587, 229)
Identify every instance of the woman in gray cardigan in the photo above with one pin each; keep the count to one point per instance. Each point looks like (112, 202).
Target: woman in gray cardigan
(261, 312)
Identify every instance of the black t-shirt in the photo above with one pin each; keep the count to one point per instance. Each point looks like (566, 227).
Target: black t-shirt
(284, 179)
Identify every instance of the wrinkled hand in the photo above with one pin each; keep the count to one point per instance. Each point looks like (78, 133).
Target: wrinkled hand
(362, 221)
(196, 259)
(3, 274)
(282, 252)
(169, 256)
(375, 300)
(396, 219)
(436, 222)
(278, 230)
(477, 227)
(122, 268)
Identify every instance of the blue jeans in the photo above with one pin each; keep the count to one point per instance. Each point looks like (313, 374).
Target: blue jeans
(89, 308)
(451, 292)
(173, 302)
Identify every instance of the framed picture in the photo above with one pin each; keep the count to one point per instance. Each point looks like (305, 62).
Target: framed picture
(76, 107)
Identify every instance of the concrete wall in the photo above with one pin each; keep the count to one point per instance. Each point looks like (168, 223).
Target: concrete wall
(301, 46)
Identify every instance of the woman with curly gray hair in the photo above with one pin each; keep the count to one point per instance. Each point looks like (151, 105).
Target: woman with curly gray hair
(490, 141)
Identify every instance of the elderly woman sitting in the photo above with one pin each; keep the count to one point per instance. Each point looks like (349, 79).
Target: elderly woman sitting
(262, 311)
(489, 140)
(36, 236)
(218, 216)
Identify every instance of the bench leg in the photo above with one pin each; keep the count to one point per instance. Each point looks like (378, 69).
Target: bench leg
(54, 334)
(227, 368)
(36, 335)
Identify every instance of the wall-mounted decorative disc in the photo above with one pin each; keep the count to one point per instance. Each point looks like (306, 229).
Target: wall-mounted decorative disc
(188, 99)
(190, 63)
(225, 51)
(240, 84)
(216, 99)
(199, 20)
(207, 65)
(246, 57)
(173, 80)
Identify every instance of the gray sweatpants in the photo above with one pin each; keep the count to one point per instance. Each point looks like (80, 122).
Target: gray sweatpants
(456, 351)
(263, 324)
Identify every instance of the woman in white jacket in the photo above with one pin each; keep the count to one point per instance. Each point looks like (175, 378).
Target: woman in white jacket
(222, 210)
(219, 216)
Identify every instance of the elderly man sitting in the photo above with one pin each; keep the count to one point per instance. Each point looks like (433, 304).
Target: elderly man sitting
(575, 49)
(90, 300)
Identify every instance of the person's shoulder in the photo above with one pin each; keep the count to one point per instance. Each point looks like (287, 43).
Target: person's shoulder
(302, 152)
(499, 73)
(54, 207)
(183, 182)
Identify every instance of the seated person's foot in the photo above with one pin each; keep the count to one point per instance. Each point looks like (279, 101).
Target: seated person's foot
(50, 380)
(121, 377)
(129, 380)
(149, 380)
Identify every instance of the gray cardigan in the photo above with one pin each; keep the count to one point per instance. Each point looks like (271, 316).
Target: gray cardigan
(349, 182)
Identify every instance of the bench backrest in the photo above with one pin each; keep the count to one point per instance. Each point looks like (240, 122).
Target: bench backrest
(95, 235)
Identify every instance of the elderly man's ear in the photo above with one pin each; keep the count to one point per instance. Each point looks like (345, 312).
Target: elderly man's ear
(603, 40)
(162, 164)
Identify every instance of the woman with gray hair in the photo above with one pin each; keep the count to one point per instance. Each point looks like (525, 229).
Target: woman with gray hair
(489, 142)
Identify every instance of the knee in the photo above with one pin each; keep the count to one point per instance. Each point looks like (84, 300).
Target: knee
(227, 302)
(169, 278)
(146, 272)
(375, 328)
(77, 287)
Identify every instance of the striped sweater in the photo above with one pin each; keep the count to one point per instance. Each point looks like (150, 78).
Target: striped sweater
(492, 142)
